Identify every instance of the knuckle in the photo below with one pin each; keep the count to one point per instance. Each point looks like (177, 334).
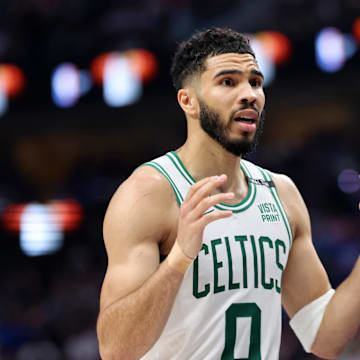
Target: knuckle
(206, 201)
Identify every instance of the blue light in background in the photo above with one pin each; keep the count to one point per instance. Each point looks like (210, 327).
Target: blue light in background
(330, 50)
(65, 85)
(349, 181)
(121, 85)
(40, 233)
(266, 64)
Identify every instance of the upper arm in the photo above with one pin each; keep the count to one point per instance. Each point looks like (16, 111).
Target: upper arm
(304, 277)
(135, 223)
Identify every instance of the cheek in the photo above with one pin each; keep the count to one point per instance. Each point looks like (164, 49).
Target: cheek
(261, 98)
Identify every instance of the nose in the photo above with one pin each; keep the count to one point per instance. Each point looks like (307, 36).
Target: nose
(248, 96)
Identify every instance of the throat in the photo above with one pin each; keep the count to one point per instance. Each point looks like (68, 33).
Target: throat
(240, 190)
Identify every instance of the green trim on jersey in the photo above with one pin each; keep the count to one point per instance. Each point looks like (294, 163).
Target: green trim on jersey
(235, 208)
(279, 204)
(174, 157)
(161, 170)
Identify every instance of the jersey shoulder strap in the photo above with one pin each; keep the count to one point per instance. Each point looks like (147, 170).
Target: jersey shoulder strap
(171, 167)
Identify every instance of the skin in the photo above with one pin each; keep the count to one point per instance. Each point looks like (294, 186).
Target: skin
(143, 221)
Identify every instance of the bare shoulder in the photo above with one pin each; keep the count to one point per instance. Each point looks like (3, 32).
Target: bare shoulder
(144, 181)
(284, 184)
(141, 204)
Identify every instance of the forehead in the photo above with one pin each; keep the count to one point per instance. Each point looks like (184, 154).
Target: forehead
(243, 62)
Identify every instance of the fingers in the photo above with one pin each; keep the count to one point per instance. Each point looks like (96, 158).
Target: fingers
(215, 215)
(198, 185)
(193, 217)
(203, 189)
(210, 201)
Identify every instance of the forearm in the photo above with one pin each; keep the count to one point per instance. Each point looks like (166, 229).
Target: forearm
(341, 320)
(128, 328)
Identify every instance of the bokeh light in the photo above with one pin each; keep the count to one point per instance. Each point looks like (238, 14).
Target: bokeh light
(65, 85)
(12, 80)
(67, 214)
(276, 45)
(39, 233)
(356, 29)
(330, 50)
(143, 63)
(97, 67)
(122, 86)
(265, 62)
(349, 181)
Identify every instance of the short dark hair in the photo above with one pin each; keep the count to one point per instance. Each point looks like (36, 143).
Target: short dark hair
(191, 54)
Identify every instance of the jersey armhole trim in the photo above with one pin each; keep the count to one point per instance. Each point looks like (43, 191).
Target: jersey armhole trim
(162, 171)
(279, 204)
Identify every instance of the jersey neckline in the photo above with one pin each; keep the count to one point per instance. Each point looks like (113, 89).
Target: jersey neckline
(241, 206)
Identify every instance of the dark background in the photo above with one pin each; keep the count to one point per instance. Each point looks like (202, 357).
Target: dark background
(49, 304)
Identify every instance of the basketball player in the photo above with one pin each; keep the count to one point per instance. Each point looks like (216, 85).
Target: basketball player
(205, 247)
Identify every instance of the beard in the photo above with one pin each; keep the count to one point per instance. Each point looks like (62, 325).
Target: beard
(211, 123)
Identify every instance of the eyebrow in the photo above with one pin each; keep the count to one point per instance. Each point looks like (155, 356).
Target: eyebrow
(238, 72)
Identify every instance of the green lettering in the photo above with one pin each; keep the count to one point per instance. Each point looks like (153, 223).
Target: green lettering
(217, 265)
(199, 294)
(231, 284)
(256, 281)
(242, 310)
(279, 243)
(242, 239)
(262, 240)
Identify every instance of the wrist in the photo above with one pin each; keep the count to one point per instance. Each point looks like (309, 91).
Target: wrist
(178, 260)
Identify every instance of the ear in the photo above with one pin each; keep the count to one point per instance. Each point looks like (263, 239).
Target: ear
(188, 101)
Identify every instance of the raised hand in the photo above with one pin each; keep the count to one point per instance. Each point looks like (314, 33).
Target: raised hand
(193, 219)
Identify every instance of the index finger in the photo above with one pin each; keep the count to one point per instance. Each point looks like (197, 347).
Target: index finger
(198, 185)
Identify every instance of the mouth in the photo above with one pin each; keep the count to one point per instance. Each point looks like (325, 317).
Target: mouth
(248, 116)
(245, 120)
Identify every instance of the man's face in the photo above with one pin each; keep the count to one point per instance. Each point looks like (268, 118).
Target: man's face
(231, 101)
(212, 124)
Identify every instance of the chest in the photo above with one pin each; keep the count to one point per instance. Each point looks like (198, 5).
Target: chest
(247, 251)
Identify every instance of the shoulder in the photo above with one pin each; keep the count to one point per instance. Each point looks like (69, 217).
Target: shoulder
(145, 184)
(285, 187)
(142, 203)
(284, 184)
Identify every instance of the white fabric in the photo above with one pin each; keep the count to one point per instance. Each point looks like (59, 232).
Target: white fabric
(306, 322)
(231, 294)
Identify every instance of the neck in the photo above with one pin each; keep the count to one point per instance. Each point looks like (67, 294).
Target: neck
(203, 157)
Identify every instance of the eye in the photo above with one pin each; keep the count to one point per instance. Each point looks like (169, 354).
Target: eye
(227, 82)
(256, 82)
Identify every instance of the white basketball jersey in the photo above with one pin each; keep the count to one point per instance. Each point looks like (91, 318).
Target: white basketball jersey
(229, 304)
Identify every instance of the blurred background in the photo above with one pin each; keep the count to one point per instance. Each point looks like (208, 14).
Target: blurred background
(85, 97)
